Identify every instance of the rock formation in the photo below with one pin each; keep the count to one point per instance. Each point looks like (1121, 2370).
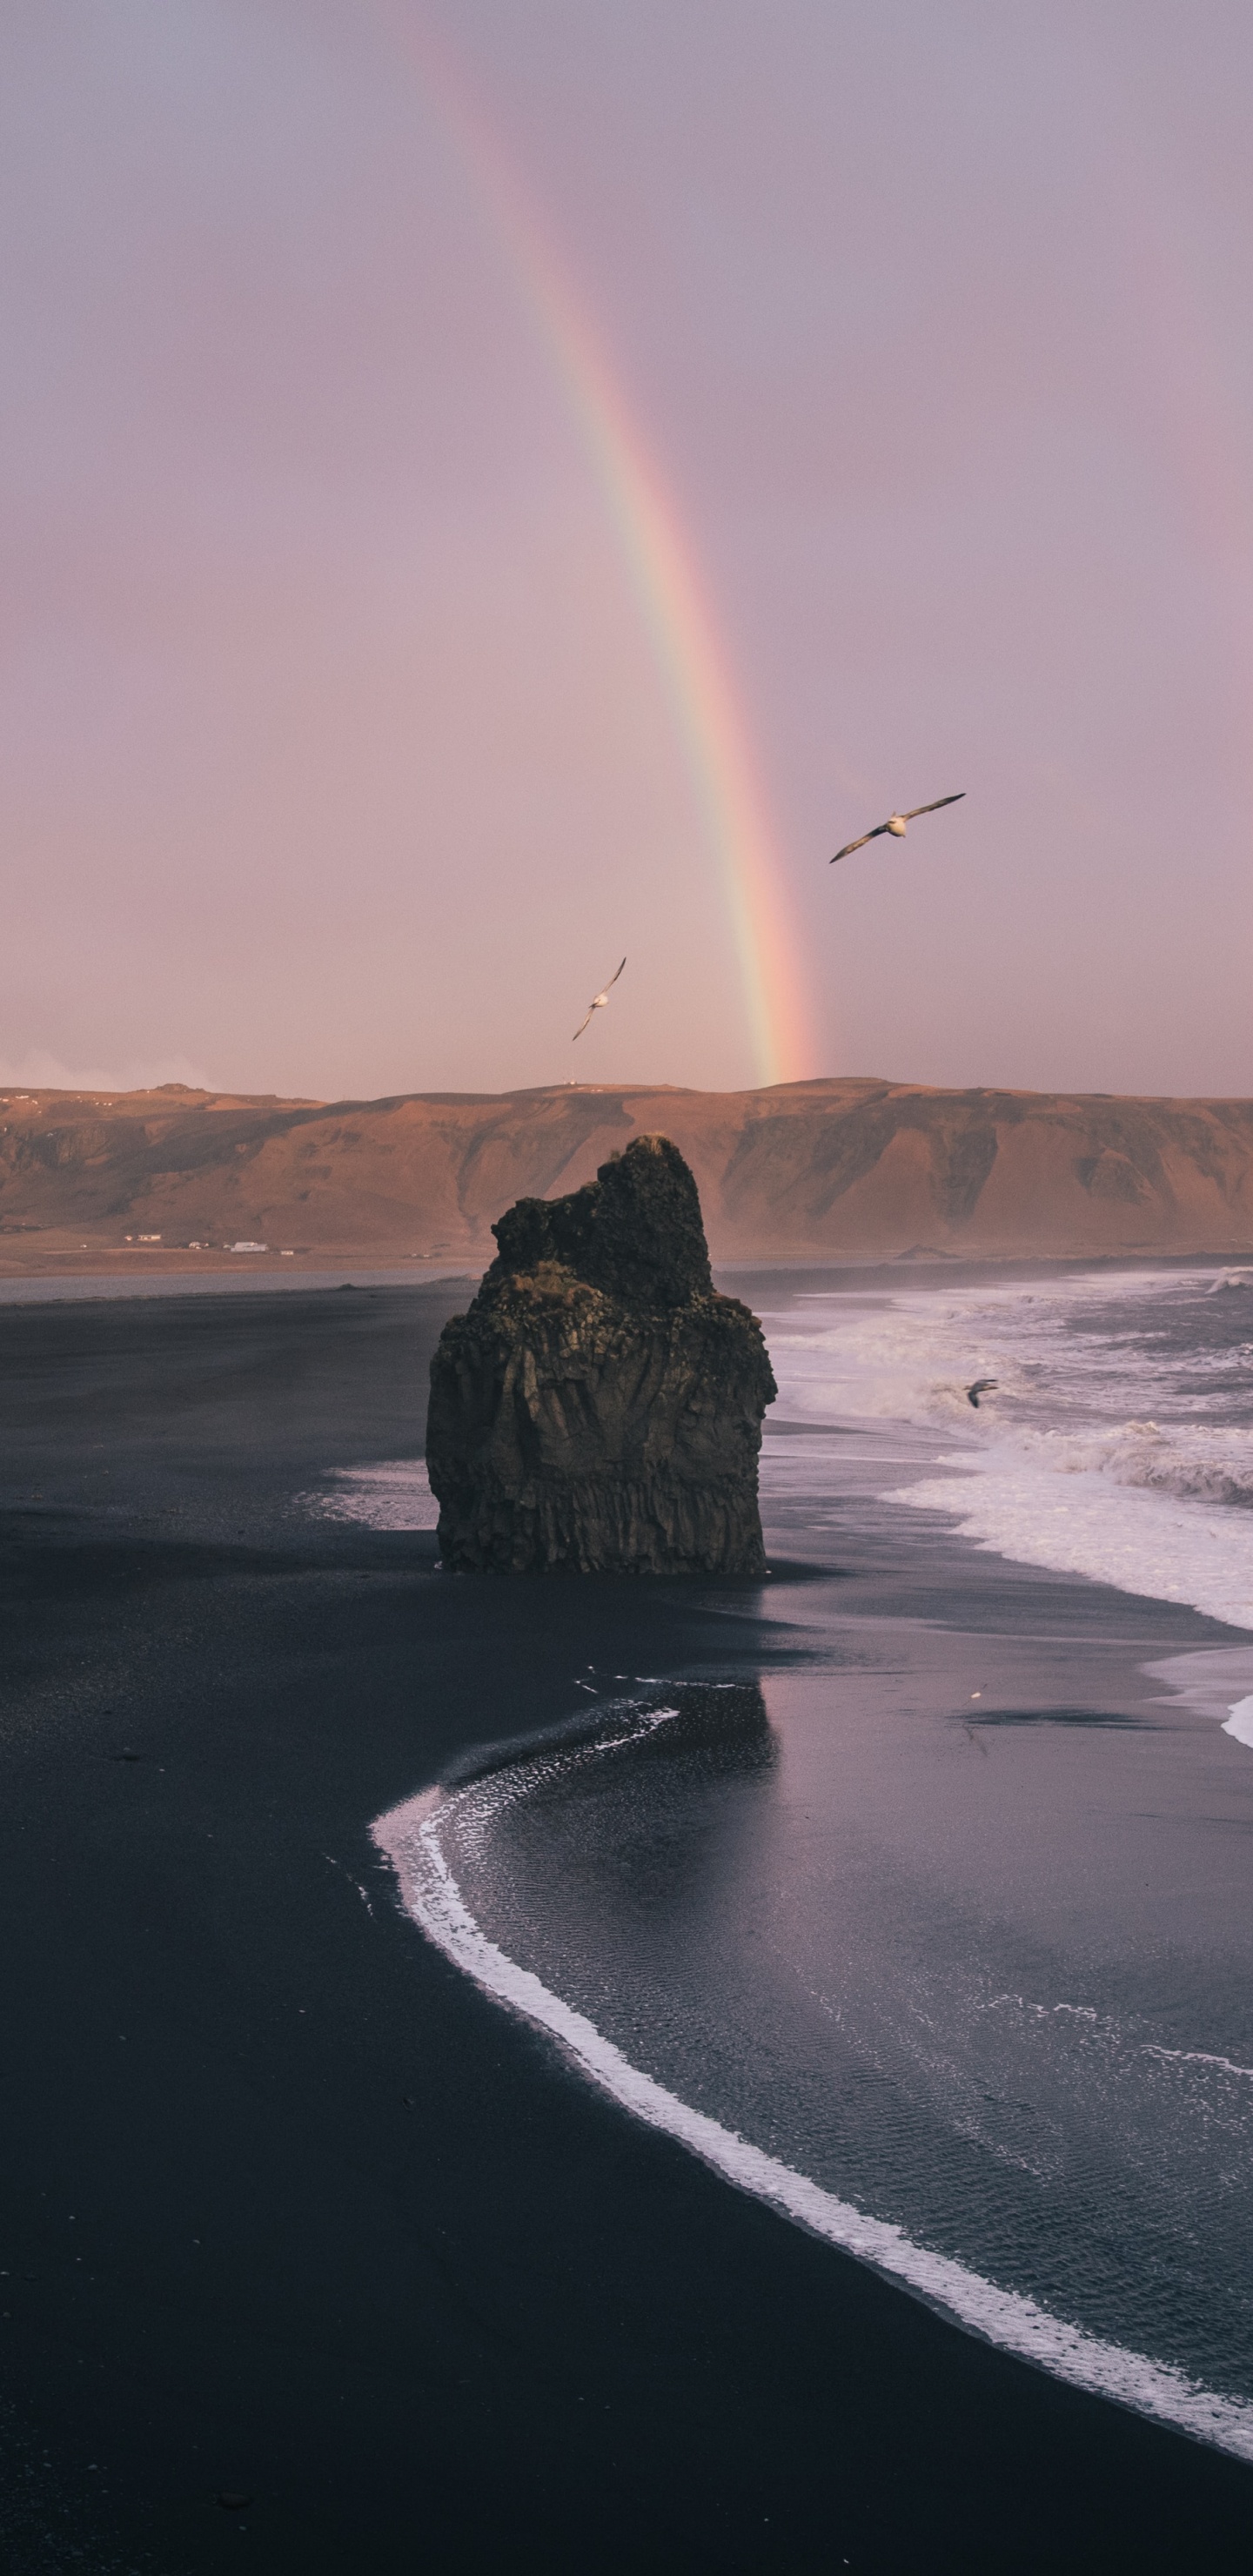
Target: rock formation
(599, 1408)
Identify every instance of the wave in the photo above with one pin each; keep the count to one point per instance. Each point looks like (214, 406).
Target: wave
(1194, 1462)
(1141, 1542)
(1063, 1464)
(1052, 1470)
(411, 1838)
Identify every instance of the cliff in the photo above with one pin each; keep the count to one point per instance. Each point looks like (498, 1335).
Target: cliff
(599, 1408)
(811, 1171)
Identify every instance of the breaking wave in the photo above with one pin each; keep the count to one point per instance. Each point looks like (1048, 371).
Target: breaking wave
(1062, 1462)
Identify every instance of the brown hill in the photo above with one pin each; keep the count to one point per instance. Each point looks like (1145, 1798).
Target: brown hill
(811, 1171)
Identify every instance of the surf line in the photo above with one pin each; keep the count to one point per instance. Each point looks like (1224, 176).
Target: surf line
(1240, 1722)
(409, 1835)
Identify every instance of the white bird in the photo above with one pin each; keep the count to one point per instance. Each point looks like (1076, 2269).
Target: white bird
(598, 1004)
(896, 823)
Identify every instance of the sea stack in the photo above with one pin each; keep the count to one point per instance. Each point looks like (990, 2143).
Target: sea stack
(599, 1409)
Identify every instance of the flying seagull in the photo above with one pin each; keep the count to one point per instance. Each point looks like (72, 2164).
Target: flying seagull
(982, 1386)
(896, 823)
(598, 1004)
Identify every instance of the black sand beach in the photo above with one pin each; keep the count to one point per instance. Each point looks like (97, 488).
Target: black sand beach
(291, 2213)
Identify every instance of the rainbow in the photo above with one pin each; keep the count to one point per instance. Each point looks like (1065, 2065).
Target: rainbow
(709, 723)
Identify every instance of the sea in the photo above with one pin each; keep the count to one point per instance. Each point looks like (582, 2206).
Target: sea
(935, 1931)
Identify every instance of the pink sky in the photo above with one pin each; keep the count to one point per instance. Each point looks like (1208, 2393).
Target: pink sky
(334, 755)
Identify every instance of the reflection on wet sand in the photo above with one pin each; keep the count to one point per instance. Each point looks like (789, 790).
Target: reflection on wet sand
(594, 1812)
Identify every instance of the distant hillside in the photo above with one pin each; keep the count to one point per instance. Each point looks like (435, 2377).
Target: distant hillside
(810, 1170)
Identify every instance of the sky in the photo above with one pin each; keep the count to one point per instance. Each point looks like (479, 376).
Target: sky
(487, 489)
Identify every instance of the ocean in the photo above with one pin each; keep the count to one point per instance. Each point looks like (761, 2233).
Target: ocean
(1116, 1441)
(935, 1934)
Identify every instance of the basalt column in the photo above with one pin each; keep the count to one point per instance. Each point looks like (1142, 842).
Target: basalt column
(599, 1408)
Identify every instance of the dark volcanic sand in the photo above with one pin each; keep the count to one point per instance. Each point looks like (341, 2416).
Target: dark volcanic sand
(290, 2211)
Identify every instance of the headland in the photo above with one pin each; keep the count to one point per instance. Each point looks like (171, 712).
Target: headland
(834, 1170)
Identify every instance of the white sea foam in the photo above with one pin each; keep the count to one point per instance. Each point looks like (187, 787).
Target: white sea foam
(1105, 1447)
(1055, 1468)
(393, 1494)
(1198, 2057)
(1210, 1680)
(1139, 1542)
(1206, 1681)
(1240, 1722)
(411, 1837)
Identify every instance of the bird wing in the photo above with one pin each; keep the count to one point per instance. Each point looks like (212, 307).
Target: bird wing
(850, 846)
(598, 1004)
(915, 810)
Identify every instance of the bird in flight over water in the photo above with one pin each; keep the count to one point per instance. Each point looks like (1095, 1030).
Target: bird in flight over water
(598, 1004)
(896, 823)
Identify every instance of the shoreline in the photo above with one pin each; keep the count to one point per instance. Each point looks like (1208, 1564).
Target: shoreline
(308, 2218)
(383, 1264)
(1011, 2323)
(18, 1288)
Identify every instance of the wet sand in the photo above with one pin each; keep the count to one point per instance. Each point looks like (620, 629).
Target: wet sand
(291, 2212)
